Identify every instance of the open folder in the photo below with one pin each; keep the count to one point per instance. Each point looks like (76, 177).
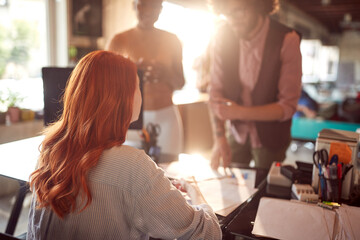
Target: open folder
(284, 219)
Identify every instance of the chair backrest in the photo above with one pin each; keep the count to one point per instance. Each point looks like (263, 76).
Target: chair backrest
(4, 236)
(350, 110)
(54, 82)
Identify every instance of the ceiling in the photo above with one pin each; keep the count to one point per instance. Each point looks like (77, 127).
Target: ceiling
(329, 12)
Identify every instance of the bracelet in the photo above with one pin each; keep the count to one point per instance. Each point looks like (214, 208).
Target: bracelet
(219, 133)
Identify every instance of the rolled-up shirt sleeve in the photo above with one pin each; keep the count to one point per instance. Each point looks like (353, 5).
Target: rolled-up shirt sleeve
(290, 75)
(161, 211)
(216, 72)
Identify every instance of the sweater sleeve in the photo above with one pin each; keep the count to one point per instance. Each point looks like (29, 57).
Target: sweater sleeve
(290, 75)
(162, 211)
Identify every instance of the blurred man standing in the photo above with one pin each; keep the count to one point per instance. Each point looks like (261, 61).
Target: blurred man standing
(255, 83)
(159, 54)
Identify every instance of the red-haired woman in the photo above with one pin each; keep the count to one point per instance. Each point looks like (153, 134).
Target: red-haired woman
(90, 186)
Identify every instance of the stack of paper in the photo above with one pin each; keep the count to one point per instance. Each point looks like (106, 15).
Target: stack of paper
(224, 195)
(284, 219)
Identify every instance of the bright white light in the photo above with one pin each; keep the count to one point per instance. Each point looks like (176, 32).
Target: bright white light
(194, 28)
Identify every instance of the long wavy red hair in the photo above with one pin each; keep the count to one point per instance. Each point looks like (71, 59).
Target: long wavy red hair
(97, 112)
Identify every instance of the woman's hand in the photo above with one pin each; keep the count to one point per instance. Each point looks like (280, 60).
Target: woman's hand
(191, 190)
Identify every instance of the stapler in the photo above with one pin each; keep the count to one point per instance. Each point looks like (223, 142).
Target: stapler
(275, 177)
(278, 185)
(282, 176)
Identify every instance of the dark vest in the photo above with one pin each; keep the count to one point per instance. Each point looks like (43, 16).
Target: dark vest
(273, 134)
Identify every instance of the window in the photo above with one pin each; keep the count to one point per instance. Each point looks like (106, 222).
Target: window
(319, 63)
(23, 52)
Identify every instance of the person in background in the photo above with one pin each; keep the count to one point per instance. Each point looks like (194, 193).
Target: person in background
(88, 185)
(159, 54)
(255, 83)
(307, 106)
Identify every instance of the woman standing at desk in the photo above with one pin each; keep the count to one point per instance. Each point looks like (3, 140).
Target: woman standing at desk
(90, 186)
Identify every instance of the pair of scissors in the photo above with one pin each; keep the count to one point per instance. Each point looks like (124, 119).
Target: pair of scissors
(320, 158)
(153, 129)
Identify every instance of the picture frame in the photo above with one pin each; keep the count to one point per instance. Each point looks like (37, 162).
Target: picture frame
(86, 18)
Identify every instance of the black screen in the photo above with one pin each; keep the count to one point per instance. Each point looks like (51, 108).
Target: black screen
(54, 83)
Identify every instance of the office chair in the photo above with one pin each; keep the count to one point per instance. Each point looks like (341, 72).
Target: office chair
(4, 236)
(54, 83)
(350, 110)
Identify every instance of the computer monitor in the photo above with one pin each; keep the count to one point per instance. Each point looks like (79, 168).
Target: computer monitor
(54, 83)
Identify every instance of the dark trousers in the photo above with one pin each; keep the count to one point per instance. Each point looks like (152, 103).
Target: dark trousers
(263, 157)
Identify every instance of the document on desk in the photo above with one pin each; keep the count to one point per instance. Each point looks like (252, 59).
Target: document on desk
(284, 219)
(198, 167)
(225, 195)
(221, 190)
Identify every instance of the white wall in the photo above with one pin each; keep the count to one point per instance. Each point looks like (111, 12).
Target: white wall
(118, 16)
(57, 32)
(349, 44)
(292, 16)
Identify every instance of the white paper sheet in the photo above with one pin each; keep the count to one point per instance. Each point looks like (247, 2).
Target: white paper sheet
(197, 166)
(224, 195)
(222, 192)
(284, 219)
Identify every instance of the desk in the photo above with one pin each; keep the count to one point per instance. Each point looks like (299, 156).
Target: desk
(342, 222)
(241, 223)
(306, 129)
(20, 159)
(244, 223)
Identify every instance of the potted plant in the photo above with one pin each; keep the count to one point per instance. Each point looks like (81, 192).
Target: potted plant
(13, 100)
(2, 112)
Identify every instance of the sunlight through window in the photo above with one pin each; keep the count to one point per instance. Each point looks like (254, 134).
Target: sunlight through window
(194, 28)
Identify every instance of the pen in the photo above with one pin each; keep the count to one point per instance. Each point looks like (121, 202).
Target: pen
(346, 170)
(334, 185)
(197, 186)
(339, 173)
(326, 186)
(321, 185)
(334, 204)
(194, 181)
(232, 173)
(323, 205)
